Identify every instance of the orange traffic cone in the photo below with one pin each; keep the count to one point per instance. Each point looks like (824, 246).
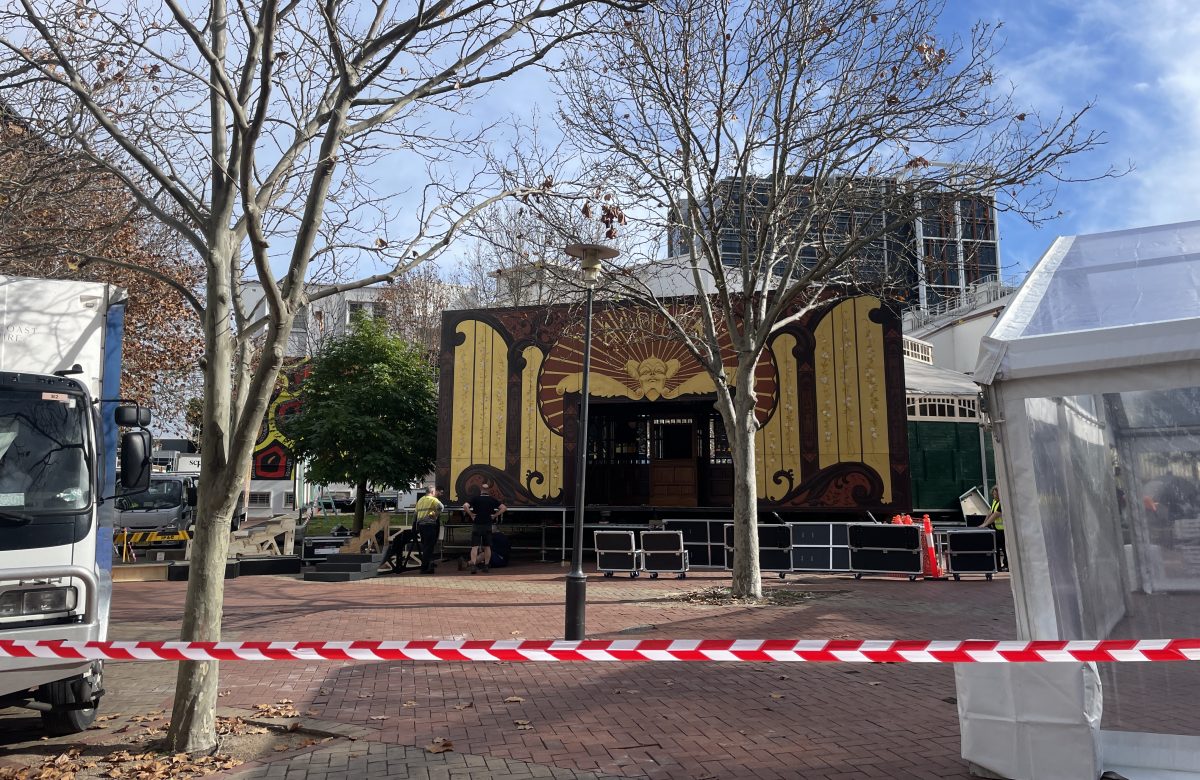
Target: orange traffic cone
(931, 567)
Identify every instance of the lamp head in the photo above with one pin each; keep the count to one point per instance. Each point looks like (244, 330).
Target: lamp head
(590, 256)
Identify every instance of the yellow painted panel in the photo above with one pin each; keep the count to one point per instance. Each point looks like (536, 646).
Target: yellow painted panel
(464, 401)
(497, 437)
(824, 354)
(849, 427)
(777, 443)
(480, 399)
(541, 448)
(873, 409)
(787, 409)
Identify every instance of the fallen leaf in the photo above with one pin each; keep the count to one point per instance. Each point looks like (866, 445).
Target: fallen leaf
(294, 726)
(280, 748)
(104, 718)
(513, 700)
(440, 745)
(312, 713)
(875, 683)
(515, 633)
(523, 725)
(466, 705)
(784, 677)
(776, 695)
(222, 694)
(380, 717)
(364, 695)
(324, 691)
(283, 709)
(409, 703)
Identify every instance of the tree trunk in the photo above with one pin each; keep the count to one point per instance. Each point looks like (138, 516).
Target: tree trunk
(747, 578)
(360, 505)
(193, 714)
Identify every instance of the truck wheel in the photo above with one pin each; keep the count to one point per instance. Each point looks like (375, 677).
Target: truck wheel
(63, 722)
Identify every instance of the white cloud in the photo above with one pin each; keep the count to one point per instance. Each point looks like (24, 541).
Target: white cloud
(1140, 64)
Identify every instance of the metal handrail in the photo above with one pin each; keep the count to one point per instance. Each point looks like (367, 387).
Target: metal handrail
(91, 590)
(987, 290)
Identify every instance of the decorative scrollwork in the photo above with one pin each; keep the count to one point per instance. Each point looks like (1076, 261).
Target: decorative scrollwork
(779, 476)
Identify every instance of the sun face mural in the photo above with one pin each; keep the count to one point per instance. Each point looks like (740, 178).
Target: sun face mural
(635, 358)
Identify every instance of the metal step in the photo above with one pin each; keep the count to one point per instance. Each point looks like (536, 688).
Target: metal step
(337, 576)
(332, 565)
(375, 558)
(271, 564)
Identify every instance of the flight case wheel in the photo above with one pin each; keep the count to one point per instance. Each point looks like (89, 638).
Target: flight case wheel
(858, 575)
(653, 575)
(957, 577)
(912, 578)
(608, 574)
(633, 575)
(989, 577)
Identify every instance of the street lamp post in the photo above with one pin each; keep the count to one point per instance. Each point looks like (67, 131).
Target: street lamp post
(589, 256)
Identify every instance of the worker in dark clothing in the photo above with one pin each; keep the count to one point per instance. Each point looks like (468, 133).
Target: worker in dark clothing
(484, 511)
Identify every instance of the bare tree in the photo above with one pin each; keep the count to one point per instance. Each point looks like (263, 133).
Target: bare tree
(285, 141)
(780, 146)
(516, 256)
(62, 218)
(413, 306)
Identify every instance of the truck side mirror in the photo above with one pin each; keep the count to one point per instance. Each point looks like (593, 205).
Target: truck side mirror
(135, 460)
(190, 492)
(132, 416)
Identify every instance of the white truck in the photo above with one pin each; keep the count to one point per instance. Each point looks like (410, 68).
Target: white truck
(60, 367)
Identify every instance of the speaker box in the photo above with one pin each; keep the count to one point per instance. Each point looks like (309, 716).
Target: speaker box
(899, 561)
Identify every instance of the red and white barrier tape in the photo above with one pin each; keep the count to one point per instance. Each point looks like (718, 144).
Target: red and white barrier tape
(777, 650)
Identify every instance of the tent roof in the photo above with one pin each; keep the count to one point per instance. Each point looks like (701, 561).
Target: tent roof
(924, 379)
(1103, 301)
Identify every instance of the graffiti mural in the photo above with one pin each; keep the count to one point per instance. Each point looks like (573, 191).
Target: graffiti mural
(272, 459)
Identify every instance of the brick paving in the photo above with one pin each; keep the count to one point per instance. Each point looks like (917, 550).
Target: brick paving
(660, 720)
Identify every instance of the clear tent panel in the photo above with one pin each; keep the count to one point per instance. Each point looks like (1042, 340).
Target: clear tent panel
(1121, 278)
(1117, 482)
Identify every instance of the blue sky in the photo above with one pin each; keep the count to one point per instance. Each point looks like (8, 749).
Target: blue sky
(1138, 61)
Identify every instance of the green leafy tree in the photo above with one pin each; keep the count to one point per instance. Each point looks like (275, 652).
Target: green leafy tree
(368, 413)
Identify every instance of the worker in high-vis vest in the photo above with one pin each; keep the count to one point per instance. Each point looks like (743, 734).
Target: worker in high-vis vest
(995, 519)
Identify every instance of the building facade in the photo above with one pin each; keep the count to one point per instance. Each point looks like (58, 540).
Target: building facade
(943, 245)
(830, 401)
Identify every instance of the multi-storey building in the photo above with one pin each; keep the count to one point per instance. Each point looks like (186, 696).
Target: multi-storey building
(940, 245)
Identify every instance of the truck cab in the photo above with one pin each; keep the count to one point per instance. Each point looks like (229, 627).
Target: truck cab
(60, 443)
(169, 504)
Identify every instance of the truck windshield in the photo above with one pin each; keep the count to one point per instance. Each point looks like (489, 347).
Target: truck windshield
(43, 458)
(162, 494)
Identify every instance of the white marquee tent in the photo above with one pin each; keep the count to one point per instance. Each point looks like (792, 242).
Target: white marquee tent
(1092, 379)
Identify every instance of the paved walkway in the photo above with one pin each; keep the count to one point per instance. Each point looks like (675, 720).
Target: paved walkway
(710, 720)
